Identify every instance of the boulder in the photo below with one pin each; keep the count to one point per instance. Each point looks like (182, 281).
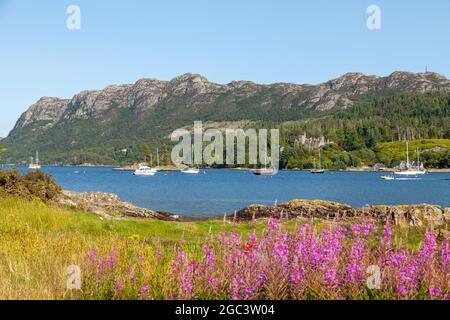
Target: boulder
(403, 215)
(108, 205)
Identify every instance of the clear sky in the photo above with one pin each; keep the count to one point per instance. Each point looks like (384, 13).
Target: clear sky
(264, 41)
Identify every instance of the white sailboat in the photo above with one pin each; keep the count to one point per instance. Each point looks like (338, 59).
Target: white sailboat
(264, 171)
(191, 170)
(410, 171)
(318, 170)
(35, 165)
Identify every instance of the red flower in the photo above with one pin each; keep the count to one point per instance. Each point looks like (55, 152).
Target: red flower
(249, 245)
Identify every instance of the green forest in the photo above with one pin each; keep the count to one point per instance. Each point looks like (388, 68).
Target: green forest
(375, 131)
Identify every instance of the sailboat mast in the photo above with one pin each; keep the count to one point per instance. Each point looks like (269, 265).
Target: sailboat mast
(320, 160)
(407, 154)
(265, 160)
(157, 157)
(418, 159)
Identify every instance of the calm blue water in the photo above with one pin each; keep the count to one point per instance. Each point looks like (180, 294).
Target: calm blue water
(220, 191)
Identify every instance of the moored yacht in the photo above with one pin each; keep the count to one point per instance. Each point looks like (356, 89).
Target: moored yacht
(411, 171)
(191, 170)
(35, 165)
(145, 171)
(264, 172)
(319, 169)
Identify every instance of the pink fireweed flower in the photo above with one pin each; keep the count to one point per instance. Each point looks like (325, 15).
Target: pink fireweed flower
(434, 293)
(386, 237)
(236, 284)
(297, 277)
(427, 254)
(187, 280)
(364, 229)
(179, 262)
(281, 249)
(112, 259)
(144, 292)
(118, 285)
(407, 282)
(405, 269)
(210, 258)
(354, 268)
(273, 225)
(445, 255)
(428, 249)
(331, 250)
(92, 257)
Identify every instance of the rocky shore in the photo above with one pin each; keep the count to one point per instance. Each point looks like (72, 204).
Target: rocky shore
(108, 205)
(405, 215)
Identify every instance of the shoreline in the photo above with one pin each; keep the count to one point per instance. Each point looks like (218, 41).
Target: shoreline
(174, 168)
(109, 205)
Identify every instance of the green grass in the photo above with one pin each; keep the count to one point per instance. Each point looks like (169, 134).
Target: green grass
(38, 242)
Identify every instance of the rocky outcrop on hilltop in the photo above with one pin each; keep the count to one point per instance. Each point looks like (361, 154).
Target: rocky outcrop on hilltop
(46, 110)
(404, 215)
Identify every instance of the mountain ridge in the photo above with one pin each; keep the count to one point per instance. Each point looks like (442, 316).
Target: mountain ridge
(146, 93)
(149, 109)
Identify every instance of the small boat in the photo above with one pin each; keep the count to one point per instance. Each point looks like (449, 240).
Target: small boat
(264, 172)
(35, 165)
(410, 171)
(388, 177)
(145, 171)
(190, 170)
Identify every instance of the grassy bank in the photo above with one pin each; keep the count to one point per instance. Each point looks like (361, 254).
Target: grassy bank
(38, 242)
(137, 259)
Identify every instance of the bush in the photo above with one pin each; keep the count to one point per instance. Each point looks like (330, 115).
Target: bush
(34, 184)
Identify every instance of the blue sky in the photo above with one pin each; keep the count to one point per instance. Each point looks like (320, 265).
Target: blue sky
(263, 41)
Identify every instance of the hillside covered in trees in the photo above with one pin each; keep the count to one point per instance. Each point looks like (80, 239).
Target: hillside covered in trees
(372, 132)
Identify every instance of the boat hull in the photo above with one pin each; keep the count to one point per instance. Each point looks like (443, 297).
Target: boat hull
(190, 171)
(411, 173)
(263, 172)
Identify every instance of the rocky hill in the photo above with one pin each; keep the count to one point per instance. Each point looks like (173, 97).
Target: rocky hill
(97, 123)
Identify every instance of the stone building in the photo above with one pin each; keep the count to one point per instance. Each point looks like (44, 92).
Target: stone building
(310, 143)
